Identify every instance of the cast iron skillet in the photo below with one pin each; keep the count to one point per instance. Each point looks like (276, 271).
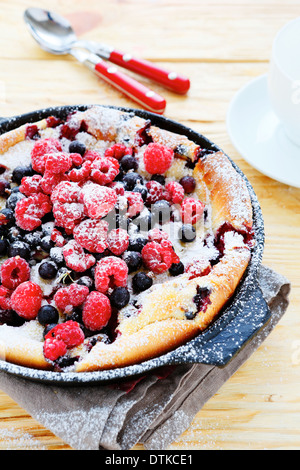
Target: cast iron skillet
(240, 320)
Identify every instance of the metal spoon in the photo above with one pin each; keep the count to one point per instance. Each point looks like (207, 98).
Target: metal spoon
(46, 24)
(54, 34)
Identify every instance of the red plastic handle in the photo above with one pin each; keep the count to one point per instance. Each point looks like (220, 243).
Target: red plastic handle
(171, 80)
(147, 98)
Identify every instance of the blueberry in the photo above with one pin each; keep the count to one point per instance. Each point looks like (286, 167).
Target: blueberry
(131, 179)
(141, 282)
(57, 256)
(161, 211)
(11, 318)
(140, 188)
(187, 233)
(12, 200)
(3, 246)
(48, 314)
(46, 244)
(159, 178)
(19, 248)
(133, 259)
(86, 281)
(14, 234)
(188, 183)
(4, 186)
(176, 269)
(137, 243)
(20, 171)
(128, 162)
(119, 297)
(77, 147)
(48, 270)
(143, 221)
(6, 216)
(33, 239)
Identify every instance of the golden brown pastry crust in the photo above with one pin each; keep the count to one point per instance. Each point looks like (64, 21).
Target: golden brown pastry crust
(161, 324)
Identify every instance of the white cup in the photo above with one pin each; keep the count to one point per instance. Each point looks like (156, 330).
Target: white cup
(284, 79)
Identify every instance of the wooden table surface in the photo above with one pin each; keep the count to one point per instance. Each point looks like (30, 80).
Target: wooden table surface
(220, 45)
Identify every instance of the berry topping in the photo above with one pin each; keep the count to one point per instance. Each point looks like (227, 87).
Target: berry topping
(48, 270)
(176, 192)
(81, 175)
(70, 296)
(104, 170)
(133, 259)
(187, 233)
(188, 183)
(119, 298)
(110, 272)
(118, 241)
(191, 210)
(96, 311)
(157, 158)
(118, 151)
(92, 235)
(40, 151)
(69, 332)
(141, 282)
(128, 162)
(156, 192)
(31, 185)
(98, 200)
(26, 300)
(67, 209)
(29, 211)
(48, 314)
(14, 271)
(51, 180)
(54, 348)
(76, 258)
(176, 269)
(5, 302)
(59, 162)
(158, 257)
(77, 147)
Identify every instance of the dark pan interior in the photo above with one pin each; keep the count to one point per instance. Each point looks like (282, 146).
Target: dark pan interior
(240, 320)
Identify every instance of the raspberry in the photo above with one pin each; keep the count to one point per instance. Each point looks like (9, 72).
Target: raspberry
(118, 241)
(156, 192)
(104, 170)
(5, 302)
(96, 311)
(58, 162)
(66, 191)
(82, 174)
(110, 272)
(118, 151)
(158, 257)
(51, 180)
(176, 192)
(71, 296)
(31, 185)
(98, 200)
(76, 159)
(14, 271)
(67, 209)
(29, 211)
(118, 187)
(26, 300)
(157, 235)
(68, 332)
(40, 151)
(57, 237)
(91, 155)
(135, 203)
(76, 258)
(54, 348)
(157, 158)
(92, 235)
(191, 210)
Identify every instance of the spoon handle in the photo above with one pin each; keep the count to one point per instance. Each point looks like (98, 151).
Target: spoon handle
(171, 80)
(147, 98)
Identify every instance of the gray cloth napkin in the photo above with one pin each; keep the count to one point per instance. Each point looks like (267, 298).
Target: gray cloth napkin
(155, 410)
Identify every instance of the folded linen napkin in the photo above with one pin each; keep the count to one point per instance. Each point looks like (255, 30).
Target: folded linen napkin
(154, 409)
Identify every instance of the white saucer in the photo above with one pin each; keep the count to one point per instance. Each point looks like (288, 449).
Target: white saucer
(258, 136)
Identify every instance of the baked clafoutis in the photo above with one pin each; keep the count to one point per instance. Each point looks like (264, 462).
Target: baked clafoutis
(120, 241)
